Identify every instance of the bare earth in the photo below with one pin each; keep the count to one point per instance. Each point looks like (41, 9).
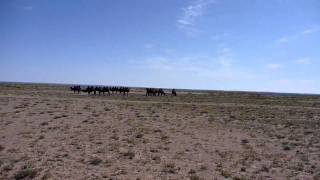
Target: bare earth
(47, 132)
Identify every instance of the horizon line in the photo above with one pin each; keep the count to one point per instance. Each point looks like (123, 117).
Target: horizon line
(185, 89)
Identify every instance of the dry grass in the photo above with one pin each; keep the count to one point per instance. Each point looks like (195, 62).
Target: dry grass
(192, 136)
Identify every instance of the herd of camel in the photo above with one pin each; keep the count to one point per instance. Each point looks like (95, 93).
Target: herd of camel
(118, 90)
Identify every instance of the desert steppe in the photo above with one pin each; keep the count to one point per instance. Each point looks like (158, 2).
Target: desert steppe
(48, 132)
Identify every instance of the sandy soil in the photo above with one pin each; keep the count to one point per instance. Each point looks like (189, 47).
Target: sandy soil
(47, 132)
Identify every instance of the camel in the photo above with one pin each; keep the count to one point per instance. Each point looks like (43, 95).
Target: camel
(75, 89)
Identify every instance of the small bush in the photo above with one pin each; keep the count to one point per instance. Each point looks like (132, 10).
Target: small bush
(139, 135)
(156, 159)
(286, 148)
(95, 161)
(7, 167)
(194, 177)
(26, 172)
(129, 154)
(169, 168)
(244, 141)
(44, 123)
(1, 148)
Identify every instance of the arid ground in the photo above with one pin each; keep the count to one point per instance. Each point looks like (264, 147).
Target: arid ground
(47, 132)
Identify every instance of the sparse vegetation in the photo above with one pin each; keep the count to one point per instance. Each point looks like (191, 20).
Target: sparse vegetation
(26, 172)
(169, 168)
(95, 161)
(1, 148)
(192, 136)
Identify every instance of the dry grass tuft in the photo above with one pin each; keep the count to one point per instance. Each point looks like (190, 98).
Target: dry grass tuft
(27, 172)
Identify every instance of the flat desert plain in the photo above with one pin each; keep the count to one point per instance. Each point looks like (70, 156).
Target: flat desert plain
(47, 132)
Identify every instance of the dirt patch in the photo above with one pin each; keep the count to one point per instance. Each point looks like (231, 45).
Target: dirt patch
(48, 132)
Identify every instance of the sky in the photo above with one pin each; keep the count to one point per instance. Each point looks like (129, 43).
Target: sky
(247, 45)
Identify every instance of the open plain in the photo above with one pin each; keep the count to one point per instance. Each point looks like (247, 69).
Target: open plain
(48, 132)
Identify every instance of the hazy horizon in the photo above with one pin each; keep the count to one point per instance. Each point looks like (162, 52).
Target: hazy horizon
(250, 45)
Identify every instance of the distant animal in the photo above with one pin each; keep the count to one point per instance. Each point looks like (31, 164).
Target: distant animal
(88, 90)
(75, 89)
(114, 90)
(150, 92)
(161, 92)
(99, 90)
(173, 92)
(124, 90)
(105, 90)
(155, 92)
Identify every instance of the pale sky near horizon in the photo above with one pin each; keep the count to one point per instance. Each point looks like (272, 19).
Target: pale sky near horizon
(247, 45)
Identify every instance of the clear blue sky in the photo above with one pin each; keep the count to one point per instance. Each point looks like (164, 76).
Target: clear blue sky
(254, 45)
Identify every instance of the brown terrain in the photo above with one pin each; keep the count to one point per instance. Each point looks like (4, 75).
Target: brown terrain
(47, 132)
